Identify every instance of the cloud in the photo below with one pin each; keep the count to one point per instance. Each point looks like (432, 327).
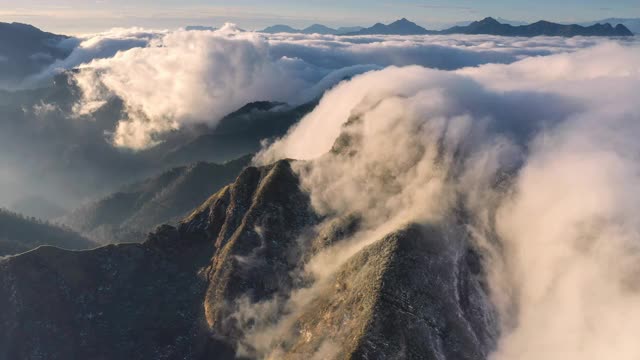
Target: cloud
(171, 79)
(94, 46)
(189, 77)
(541, 155)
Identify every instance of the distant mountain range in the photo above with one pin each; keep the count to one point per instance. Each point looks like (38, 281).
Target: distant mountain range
(490, 26)
(199, 28)
(487, 26)
(313, 29)
(400, 27)
(442, 25)
(631, 24)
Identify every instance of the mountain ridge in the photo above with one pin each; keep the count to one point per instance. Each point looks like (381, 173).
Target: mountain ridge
(136, 209)
(19, 43)
(312, 29)
(486, 26)
(19, 234)
(633, 24)
(490, 26)
(181, 293)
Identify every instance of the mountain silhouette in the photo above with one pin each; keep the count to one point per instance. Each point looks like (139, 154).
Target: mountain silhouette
(490, 26)
(633, 24)
(487, 26)
(313, 29)
(399, 27)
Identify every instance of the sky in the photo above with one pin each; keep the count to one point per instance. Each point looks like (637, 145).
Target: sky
(86, 16)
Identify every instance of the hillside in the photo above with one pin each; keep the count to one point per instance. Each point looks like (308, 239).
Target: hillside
(47, 148)
(242, 247)
(131, 212)
(238, 134)
(19, 234)
(25, 50)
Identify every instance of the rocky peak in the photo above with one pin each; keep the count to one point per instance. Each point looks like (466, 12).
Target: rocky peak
(489, 21)
(416, 293)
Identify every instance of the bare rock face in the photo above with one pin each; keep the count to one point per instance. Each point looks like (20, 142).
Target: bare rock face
(415, 294)
(257, 243)
(411, 295)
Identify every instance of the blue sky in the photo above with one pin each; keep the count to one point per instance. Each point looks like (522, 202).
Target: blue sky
(78, 16)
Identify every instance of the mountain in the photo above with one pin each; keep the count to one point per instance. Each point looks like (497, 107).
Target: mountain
(280, 29)
(25, 50)
(313, 29)
(19, 234)
(348, 29)
(205, 288)
(199, 28)
(490, 26)
(511, 22)
(487, 26)
(632, 24)
(47, 148)
(443, 26)
(319, 29)
(400, 27)
(237, 134)
(136, 209)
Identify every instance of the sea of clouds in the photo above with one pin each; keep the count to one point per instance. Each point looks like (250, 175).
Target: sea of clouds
(168, 79)
(535, 138)
(543, 156)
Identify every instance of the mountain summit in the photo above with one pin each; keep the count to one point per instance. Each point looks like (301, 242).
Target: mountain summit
(399, 27)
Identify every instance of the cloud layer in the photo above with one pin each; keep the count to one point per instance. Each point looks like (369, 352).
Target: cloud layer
(172, 79)
(541, 154)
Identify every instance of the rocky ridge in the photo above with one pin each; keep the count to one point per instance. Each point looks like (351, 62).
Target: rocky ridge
(413, 294)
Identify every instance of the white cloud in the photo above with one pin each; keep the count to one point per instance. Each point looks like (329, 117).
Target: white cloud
(42, 109)
(172, 78)
(86, 48)
(188, 77)
(543, 155)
